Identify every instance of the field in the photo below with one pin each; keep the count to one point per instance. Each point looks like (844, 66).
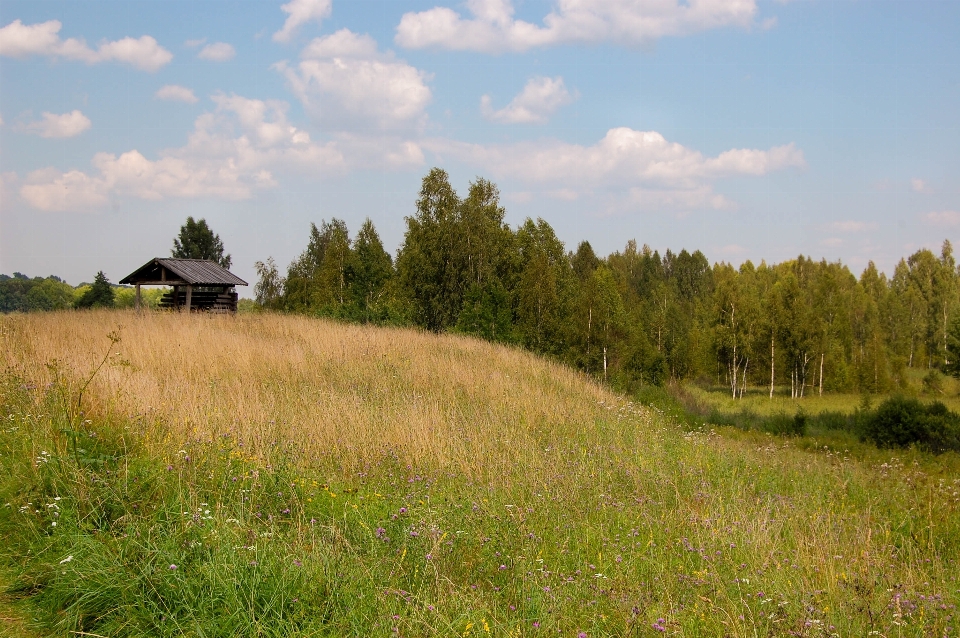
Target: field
(269, 475)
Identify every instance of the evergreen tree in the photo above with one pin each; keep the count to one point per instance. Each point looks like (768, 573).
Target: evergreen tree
(99, 295)
(197, 241)
(369, 271)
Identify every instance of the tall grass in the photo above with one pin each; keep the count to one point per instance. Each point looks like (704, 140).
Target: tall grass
(491, 493)
(333, 389)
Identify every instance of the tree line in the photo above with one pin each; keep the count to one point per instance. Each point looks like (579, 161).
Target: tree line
(635, 316)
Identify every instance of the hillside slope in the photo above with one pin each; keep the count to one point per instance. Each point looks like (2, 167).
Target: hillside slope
(273, 475)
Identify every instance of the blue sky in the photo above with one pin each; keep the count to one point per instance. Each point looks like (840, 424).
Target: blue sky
(747, 129)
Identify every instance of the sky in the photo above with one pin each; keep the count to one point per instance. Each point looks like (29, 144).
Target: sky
(747, 129)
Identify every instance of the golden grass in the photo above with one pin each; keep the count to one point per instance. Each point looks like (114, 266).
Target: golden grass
(331, 388)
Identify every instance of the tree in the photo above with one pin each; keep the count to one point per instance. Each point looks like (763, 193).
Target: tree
(369, 270)
(197, 241)
(99, 295)
(952, 366)
(426, 264)
(269, 288)
(315, 279)
(543, 272)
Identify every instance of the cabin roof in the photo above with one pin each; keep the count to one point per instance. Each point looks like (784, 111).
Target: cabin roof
(195, 272)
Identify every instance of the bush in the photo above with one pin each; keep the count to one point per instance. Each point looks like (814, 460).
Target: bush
(902, 422)
(933, 383)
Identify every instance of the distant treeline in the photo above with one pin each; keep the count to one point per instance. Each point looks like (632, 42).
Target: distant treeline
(21, 293)
(634, 317)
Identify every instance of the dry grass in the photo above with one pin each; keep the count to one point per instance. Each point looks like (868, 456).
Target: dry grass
(333, 389)
(587, 515)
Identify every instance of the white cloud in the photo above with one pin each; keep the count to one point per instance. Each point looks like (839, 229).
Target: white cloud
(918, 185)
(176, 93)
(850, 226)
(58, 126)
(193, 44)
(652, 171)
(18, 40)
(493, 29)
(346, 83)
(231, 153)
(831, 242)
(943, 218)
(51, 190)
(732, 250)
(622, 156)
(534, 105)
(217, 52)
(300, 12)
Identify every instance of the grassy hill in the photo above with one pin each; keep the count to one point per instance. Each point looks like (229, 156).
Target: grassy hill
(274, 475)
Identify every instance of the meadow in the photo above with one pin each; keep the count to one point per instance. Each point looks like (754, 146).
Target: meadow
(272, 475)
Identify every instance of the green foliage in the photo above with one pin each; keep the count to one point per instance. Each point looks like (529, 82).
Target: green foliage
(933, 382)
(23, 294)
(268, 290)
(634, 317)
(902, 422)
(197, 241)
(486, 313)
(99, 295)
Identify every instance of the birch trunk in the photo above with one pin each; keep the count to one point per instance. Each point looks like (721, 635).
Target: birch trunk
(771, 365)
(821, 374)
(744, 384)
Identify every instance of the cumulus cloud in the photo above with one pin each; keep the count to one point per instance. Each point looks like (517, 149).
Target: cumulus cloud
(918, 185)
(19, 40)
(650, 169)
(58, 126)
(943, 218)
(538, 100)
(217, 52)
(493, 28)
(623, 155)
(231, 154)
(299, 13)
(176, 93)
(344, 82)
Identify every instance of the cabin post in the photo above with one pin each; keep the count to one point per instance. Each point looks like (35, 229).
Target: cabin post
(189, 294)
(137, 302)
(176, 298)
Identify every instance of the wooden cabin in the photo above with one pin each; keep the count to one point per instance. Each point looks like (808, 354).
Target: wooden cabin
(197, 284)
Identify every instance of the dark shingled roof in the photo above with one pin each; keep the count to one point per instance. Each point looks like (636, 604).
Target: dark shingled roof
(195, 272)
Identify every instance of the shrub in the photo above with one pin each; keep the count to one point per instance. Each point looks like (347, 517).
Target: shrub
(933, 382)
(902, 422)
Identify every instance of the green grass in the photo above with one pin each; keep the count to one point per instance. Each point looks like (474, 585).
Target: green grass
(640, 526)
